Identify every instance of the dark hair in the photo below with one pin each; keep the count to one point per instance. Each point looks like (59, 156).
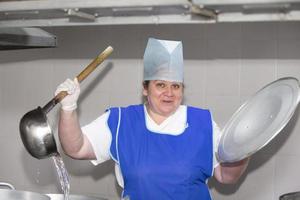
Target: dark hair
(146, 84)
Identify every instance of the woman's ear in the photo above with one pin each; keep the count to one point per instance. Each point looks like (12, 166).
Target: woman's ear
(145, 92)
(145, 88)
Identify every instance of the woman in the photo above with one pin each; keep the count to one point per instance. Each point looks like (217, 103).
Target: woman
(162, 149)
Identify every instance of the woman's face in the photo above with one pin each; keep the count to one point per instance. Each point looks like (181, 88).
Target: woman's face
(164, 97)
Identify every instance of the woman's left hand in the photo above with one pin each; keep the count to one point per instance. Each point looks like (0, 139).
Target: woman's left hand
(230, 173)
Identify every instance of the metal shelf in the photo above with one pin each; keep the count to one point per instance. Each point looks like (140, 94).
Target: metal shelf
(41, 13)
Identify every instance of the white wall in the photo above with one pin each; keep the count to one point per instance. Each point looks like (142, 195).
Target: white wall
(225, 64)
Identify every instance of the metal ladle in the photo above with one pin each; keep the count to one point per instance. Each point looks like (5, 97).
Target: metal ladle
(35, 131)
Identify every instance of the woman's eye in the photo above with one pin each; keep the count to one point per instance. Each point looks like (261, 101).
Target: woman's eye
(176, 86)
(161, 85)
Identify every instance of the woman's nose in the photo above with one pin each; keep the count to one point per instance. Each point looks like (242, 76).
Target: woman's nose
(169, 91)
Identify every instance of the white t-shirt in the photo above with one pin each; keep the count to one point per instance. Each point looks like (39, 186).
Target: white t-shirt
(100, 137)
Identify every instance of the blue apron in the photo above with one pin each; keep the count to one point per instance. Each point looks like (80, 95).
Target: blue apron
(161, 166)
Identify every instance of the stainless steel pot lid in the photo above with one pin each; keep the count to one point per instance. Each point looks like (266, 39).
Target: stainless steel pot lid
(259, 120)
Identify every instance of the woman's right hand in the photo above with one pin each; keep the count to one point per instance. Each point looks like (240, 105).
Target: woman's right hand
(72, 87)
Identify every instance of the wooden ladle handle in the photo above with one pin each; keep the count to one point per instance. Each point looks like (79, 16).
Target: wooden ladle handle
(97, 61)
(89, 69)
(80, 77)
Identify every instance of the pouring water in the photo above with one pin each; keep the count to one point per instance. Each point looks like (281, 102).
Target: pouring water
(62, 175)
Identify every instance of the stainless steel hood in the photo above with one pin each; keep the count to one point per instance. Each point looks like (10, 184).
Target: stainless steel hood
(12, 38)
(103, 12)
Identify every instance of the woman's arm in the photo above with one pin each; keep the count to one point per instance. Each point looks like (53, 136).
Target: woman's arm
(74, 143)
(229, 173)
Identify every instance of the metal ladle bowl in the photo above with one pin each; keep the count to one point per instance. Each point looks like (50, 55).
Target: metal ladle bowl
(37, 135)
(35, 130)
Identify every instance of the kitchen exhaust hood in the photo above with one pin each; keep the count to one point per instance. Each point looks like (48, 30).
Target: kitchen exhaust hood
(39, 13)
(12, 38)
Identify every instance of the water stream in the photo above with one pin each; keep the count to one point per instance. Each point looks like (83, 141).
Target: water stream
(62, 175)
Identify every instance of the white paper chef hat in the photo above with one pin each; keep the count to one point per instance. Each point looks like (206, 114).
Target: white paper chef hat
(163, 60)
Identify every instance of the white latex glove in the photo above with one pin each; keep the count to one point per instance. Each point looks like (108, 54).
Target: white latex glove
(69, 103)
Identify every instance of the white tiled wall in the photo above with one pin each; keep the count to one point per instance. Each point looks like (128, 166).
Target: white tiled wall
(225, 64)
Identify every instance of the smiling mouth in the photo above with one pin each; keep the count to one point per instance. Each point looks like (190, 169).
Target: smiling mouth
(166, 101)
